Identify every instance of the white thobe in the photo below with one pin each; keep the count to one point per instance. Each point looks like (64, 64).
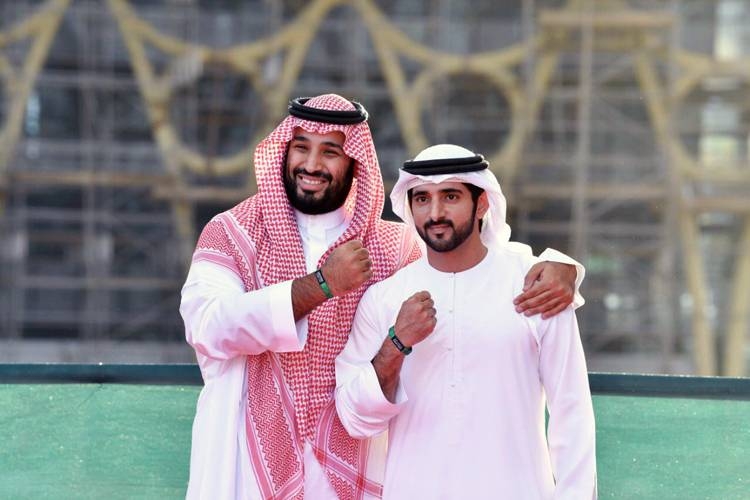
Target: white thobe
(469, 416)
(224, 323)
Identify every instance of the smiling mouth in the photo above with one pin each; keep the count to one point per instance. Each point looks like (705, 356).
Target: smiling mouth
(313, 183)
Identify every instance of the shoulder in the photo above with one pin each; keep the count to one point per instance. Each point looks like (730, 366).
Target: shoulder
(509, 264)
(221, 232)
(244, 209)
(514, 258)
(238, 212)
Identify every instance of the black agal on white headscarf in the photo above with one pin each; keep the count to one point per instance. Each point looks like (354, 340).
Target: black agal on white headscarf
(451, 163)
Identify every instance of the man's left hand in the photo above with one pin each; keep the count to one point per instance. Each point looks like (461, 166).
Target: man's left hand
(548, 289)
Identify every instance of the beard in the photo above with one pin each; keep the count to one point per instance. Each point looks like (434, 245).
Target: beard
(316, 203)
(447, 241)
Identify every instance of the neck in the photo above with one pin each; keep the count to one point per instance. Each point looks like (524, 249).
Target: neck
(465, 256)
(328, 219)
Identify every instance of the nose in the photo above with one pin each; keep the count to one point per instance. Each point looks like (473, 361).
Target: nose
(436, 210)
(312, 162)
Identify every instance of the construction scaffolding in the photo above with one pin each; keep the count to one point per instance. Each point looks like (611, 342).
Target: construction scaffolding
(619, 130)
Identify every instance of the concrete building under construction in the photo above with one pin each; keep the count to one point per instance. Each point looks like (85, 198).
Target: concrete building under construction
(619, 130)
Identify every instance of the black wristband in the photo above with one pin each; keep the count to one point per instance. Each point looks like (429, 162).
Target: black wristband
(405, 350)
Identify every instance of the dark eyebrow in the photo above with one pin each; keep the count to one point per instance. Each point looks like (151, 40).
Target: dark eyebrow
(302, 138)
(334, 145)
(417, 191)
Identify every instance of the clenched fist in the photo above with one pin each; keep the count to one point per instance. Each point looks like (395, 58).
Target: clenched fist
(347, 267)
(416, 319)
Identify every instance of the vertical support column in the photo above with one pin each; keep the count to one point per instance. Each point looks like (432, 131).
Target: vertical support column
(93, 286)
(529, 63)
(18, 257)
(739, 310)
(12, 251)
(704, 350)
(663, 283)
(182, 209)
(582, 162)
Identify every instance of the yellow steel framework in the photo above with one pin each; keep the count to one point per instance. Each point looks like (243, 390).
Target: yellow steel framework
(594, 26)
(18, 82)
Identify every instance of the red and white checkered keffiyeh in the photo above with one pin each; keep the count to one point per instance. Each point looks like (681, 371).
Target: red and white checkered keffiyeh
(291, 394)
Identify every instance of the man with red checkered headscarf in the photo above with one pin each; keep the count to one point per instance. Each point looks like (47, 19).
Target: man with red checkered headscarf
(269, 301)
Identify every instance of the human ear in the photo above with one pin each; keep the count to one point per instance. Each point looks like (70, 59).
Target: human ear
(483, 204)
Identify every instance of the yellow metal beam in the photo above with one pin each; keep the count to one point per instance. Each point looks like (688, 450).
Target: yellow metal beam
(726, 204)
(41, 28)
(735, 352)
(610, 19)
(704, 349)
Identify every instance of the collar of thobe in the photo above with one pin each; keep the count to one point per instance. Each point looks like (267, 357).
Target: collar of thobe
(320, 225)
(477, 269)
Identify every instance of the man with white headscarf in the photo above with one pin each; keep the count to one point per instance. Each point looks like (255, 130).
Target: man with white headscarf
(440, 359)
(268, 304)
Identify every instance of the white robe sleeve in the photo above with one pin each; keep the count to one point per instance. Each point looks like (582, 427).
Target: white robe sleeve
(552, 255)
(222, 320)
(361, 405)
(571, 430)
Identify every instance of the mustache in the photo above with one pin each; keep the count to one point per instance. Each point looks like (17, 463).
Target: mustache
(429, 224)
(322, 175)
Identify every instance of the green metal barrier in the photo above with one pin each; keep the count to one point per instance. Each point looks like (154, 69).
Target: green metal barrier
(100, 373)
(189, 374)
(123, 431)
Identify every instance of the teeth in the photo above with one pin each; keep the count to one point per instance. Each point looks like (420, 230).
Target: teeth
(311, 181)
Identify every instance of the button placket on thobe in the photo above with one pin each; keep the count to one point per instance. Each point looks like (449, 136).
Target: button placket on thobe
(456, 404)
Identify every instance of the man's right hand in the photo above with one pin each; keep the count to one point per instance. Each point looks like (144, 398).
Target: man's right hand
(416, 320)
(414, 323)
(347, 267)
